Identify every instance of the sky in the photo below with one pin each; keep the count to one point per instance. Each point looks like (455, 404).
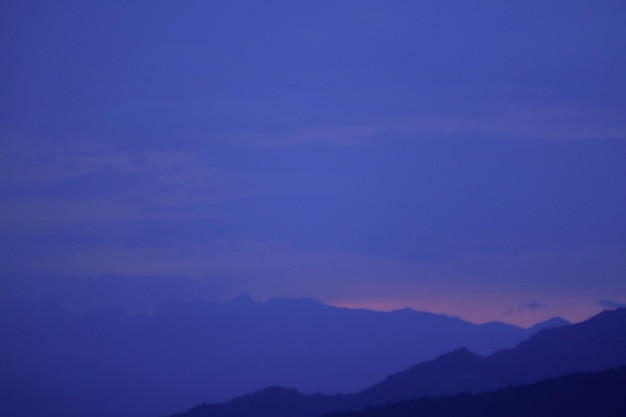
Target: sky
(463, 158)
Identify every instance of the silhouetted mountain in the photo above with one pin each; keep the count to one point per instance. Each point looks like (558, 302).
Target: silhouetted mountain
(275, 402)
(596, 344)
(577, 395)
(550, 323)
(105, 363)
(457, 371)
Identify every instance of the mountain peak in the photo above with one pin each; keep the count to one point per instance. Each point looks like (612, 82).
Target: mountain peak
(243, 298)
(461, 352)
(550, 323)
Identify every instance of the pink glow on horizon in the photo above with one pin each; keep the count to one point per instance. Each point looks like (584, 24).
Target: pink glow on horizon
(479, 311)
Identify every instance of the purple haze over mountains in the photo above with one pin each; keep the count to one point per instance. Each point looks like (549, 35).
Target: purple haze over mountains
(594, 345)
(465, 159)
(106, 363)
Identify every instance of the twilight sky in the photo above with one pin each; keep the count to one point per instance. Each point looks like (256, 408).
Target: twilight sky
(466, 158)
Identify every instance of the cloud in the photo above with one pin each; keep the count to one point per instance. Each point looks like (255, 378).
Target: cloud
(47, 188)
(131, 293)
(610, 304)
(514, 122)
(33, 163)
(532, 306)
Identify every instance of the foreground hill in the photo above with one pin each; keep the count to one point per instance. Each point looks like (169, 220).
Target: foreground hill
(577, 395)
(596, 344)
(105, 363)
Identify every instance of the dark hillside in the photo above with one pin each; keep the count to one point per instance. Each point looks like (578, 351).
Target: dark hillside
(577, 395)
(596, 344)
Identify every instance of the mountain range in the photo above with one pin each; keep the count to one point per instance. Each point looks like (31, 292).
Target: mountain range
(593, 345)
(574, 395)
(106, 363)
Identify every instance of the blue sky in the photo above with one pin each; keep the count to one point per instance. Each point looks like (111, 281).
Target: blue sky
(459, 157)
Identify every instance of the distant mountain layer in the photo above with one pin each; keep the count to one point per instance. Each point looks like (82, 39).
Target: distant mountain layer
(596, 344)
(107, 364)
(577, 395)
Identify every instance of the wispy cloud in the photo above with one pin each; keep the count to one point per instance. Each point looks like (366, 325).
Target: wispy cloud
(518, 122)
(532, 306)
(63, 188)
(25, 163)
(610, 304)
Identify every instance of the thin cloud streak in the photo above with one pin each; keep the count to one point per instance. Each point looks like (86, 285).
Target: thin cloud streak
(541, 123)
(610, 304)
(57, 188)
(31, 162)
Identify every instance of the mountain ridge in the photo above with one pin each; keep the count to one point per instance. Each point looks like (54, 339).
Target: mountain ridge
(222, 350)
(572, 395)
(464, 371)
